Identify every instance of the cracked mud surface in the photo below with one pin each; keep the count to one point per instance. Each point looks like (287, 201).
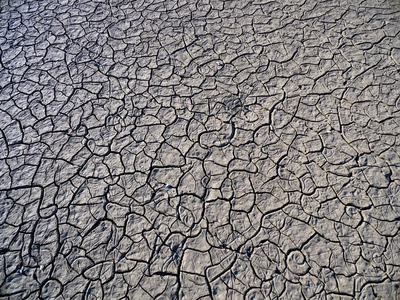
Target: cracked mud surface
(199, 150)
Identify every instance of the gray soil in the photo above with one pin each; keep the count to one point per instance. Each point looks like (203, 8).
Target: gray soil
(199, 150)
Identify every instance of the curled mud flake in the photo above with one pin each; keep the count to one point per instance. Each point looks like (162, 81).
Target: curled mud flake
(297, 263)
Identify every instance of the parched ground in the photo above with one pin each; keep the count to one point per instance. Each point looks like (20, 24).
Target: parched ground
(199, 150)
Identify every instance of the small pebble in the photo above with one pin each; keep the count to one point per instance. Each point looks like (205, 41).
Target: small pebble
(168, 186)
(220, 63)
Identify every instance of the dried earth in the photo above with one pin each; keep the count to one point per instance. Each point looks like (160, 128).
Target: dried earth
(199, 149)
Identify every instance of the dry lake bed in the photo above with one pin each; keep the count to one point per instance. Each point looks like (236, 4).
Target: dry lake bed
(199, 149)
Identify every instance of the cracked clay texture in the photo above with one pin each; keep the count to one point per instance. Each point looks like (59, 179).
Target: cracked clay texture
(199, 149)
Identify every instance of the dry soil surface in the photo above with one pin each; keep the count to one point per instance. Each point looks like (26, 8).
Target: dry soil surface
(199, 149)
